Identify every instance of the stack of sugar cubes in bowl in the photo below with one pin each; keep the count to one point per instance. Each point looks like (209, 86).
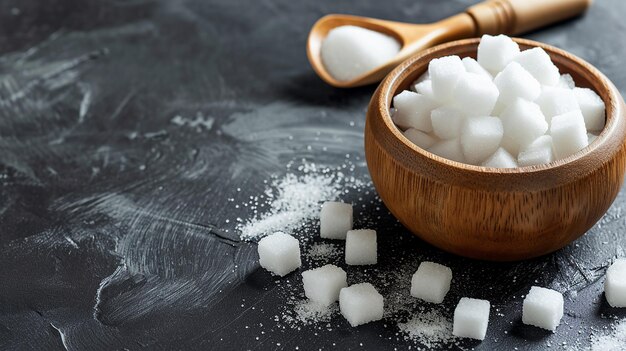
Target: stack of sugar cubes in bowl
(507, 109)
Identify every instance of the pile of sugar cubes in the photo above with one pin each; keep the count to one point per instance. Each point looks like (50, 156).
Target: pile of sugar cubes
(350, 51)
(506, 109)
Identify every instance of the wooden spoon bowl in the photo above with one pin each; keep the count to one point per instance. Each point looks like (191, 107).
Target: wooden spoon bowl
(488, 213)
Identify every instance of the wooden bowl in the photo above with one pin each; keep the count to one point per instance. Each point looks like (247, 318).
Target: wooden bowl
(488, 213)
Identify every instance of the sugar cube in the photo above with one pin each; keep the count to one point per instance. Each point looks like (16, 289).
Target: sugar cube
(480, 138)
(569, 134)
(350, 51)
(447, 122)
(537, 62)
(450, 149)
(523, 122)
(361, 247)
(471, 317)
(592, 107)
(495, 52)
(420, 79)
(615, 283)
(475, 94)
(472, 66)
(444, 74)
(420, 138)
(335, 220)
(556, 101)
(323, 284)
(425, 88)
(543, 308)
(361, 303)
(413, 110)
(515, 82)
(279, 253)
(536, 153)
(500, 159)
(431, 282)
(566, 81)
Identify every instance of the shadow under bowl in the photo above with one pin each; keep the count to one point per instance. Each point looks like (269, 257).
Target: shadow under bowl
(489, 213)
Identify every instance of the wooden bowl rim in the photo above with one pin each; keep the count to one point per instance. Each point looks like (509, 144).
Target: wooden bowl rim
(588, 158)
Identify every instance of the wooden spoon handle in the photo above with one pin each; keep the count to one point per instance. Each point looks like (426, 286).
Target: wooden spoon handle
(519, 16)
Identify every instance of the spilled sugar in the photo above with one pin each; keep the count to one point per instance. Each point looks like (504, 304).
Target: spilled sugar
(614, 340)
(324, 252)
(430, 328)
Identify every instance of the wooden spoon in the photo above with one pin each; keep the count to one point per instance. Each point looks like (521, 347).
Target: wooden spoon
(489, 17)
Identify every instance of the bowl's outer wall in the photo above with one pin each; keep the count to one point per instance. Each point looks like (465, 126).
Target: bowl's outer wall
(500, 215)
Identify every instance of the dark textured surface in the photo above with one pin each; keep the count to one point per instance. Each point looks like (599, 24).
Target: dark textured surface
(117, 223)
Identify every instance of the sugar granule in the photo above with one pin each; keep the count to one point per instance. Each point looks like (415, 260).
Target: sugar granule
(612, 341)
(323, 252)
(431, 329)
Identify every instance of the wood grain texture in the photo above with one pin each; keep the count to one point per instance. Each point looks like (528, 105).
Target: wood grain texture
(487, 213)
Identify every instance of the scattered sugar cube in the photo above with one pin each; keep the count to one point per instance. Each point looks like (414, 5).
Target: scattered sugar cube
(360, 304)
(450, 149)
(500, 159)
(543, 308)
(569, 134)
(556, 101)
(515, 82)
(361, 247)
(447, 122)
(537, 62)
(536, 153)
(566, 81)
(481, 137)
(413, 111)
(431, 282)
(425, 88)
(591, 138)
(471, 317)
(495, 53)
(444, 74)
(279, 253)
(592, 107)
(335, 220)
(350, 51)
(472, 66)
(523, 122)
(419, 138)
(475, 94)
(615, 283)
(323, 284)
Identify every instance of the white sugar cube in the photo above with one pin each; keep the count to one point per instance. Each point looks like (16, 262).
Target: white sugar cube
(471, 317)
(475, 94)
(537, 62)
(494, 53)
(566, 81)
(523, 122)
(425, 88)
(591, 137)
(472, 66)
(556, 101)
(447, 122)
(335, 220)
(515, 82)
(569, 134)
(500, 159)
(444, 74)
(592, 107)
(536, 153)
(413, 111)
(431, 282)
(361, 303)
(323, 284)
(361, 247)
(350, 51)
(543, 308)
(480, 138)
(420, 138)
(279, 253)
(450, 149)
(615, 283)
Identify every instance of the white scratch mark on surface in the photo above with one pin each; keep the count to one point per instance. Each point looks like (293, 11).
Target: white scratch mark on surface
(72, 242)
(198, 122)
(84, 104)
(63, 337)
(103, 283)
